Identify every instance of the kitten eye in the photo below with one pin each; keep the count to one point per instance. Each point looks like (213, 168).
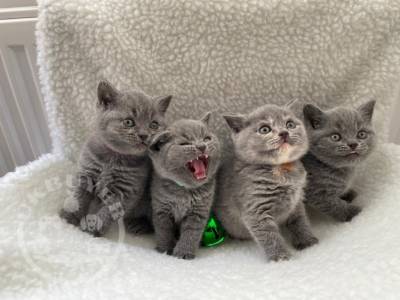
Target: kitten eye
(154, 125)
(264, 129)
(336, 137)
(362, 134)
(207, 139)
(290, 125)
(184, 144)
(129, 123)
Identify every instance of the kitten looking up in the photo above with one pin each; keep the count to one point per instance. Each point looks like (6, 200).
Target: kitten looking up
(185, 159)
(340, 139)
(263, 187)
(114, 166)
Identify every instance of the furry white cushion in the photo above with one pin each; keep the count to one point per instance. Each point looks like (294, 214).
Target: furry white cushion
(231, 55)
(228, 55)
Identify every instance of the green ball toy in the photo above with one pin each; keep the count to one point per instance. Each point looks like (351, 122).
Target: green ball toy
(214, 233)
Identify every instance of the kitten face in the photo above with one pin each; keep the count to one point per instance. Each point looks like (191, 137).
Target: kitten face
(127, 121)
(269, 135)
(340, 137)
(187, 153)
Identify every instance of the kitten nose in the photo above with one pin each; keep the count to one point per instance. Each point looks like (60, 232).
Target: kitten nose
(353, 146)
(201, 147)
(284, 134)
(143, 137)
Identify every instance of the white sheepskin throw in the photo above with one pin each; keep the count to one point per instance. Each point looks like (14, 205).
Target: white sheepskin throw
(231, 55)
(228, 55)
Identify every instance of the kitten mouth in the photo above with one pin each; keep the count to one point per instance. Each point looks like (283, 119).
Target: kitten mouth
(353, 154)
(198, 167)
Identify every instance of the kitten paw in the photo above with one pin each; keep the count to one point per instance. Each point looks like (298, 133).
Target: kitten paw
(349, 196)
(179, 253)
(305, 242)
(279, 255)
(116, 210)
(92, 224)
(352, 211)
(70, 217)
(138, 226)
(164, 249)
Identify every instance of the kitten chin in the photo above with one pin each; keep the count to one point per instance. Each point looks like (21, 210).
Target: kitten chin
(283, 155)
(287, 154)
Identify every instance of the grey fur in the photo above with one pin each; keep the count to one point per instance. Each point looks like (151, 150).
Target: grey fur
(114, 166)
(257, 193)
(179, 201)
(329, 168)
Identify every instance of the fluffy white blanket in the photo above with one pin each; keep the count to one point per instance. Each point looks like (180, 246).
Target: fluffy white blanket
(232, 55)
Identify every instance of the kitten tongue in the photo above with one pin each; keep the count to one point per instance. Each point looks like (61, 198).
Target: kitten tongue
(199, 169)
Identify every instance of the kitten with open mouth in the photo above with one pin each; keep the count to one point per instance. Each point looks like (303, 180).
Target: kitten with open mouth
(185, 159)
(198, 166)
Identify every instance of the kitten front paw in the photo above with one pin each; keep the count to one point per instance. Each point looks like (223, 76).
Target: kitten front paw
(352, 211)
(184, 254)
(69, 217)
(165, 247)
(280, 255)
(349, 196)
(305, 242)
(91, 224)
(138, 226)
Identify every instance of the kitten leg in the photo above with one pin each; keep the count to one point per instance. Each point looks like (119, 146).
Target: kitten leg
(335, 207)
(266, 233)
(83, 193)
(192, 228)
(98, 220)
(349, 196)
(164, 229)
(138, 225)
(299, 227)
(138, 219)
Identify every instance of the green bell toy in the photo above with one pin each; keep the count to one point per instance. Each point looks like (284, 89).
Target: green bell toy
(214, 233)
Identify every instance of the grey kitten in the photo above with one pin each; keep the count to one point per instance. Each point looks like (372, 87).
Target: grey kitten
(185, 159)
(340, 139)
(114, 165)
(263, 187)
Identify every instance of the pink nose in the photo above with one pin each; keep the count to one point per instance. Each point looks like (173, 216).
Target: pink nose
(284, 135)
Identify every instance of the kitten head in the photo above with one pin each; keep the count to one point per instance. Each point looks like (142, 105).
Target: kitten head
(128, 120)
(269, 135)
(187, 152)
(341, 136)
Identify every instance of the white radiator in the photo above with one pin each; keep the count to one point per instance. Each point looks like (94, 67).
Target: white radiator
(24, 134)
(23, 131)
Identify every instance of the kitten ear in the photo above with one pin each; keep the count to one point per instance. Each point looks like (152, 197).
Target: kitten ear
(235, 122)
(206, 118)
(162, 103)
(106, 94)
(366, 110)
(159, 140)
(314, 116)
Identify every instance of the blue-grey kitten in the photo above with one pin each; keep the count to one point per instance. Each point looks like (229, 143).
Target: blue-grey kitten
(114, 165)
(340, 139)
(185, 159)
(263, 186)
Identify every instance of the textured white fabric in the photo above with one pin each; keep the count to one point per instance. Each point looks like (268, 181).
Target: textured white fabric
(44, 258)
(231, 55)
